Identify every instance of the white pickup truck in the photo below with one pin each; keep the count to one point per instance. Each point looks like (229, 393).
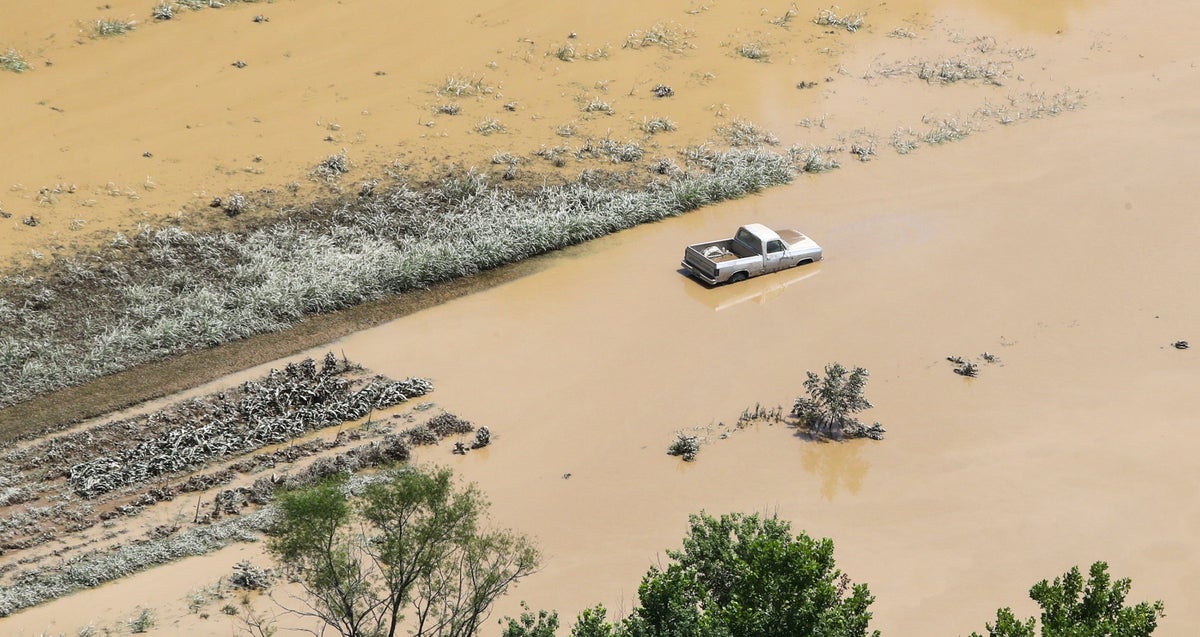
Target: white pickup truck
(754, 250)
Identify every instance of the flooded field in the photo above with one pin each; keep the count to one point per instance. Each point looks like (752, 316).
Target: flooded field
(1064, 246)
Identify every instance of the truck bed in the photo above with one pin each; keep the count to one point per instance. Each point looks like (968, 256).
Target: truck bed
(730, 250)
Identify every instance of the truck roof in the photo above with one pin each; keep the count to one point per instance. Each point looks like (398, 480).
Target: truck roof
(762, 232)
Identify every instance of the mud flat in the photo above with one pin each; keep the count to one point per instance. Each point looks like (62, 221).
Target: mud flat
(1064, 246)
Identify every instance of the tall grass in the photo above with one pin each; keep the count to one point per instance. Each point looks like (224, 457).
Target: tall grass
(107, 27)
(166, 290)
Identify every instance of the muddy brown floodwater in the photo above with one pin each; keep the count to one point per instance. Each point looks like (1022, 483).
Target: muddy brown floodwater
(1065, 246)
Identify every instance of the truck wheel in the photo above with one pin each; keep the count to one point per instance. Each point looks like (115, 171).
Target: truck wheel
(739, 277)
(804, 262)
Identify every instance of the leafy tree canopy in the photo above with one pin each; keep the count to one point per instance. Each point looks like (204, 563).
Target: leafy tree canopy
(1072, 607)
(407, 550)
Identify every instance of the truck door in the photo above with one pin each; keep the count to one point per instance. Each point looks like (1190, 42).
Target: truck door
(773, 257)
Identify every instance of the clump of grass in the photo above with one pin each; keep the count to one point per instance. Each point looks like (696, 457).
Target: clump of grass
(668, 35)
(556, 155)
(901, 33)
(12, 60)
(905, 140)
(163, 11)
(813, 122)
(367, 188)
(464, 86)
(500, 157)
(743, 132)
(862, 144)
(958, 69)
(663, 90)
(612, 150)
(235, 204)
(566, 130)
(753, 51)
(598, 53)
(332, 167)
(785, 20)
(106, 27)
(946, 130)
(652, 125)
(829, 17)
(813, 159)
(966, 368)
(142, 622)
(685, 447)
(448, 109)
(597, 105)
(565, 52)
(196, 5)
(489, 126)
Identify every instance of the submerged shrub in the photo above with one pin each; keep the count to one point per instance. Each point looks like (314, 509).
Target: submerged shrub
(12, 60)
(685, 446)
(107, 27)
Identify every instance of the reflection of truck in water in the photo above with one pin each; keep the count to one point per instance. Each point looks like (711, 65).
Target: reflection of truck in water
(754, 250)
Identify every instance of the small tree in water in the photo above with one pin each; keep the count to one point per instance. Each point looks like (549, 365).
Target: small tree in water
(832, 401)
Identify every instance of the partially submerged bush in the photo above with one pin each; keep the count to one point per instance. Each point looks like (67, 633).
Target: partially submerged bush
(668, 35)
(610, 149)
(685, 446)
(108, 27)
(12, 60)
(332, 167)
(742, 132)
(652, 125)
(163, 11)
(235, 204)
(828, 17)
(464, 86)
(597, 105)
(828, 410)
(489, 126)
(250, 577)
(142, 622)
(753, 51)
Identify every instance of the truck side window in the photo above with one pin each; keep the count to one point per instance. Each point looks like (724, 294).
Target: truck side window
(775, 246)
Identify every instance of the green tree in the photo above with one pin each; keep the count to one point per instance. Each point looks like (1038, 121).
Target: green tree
(1072, 607)
(542, 624)
(746, 576)
(832, 401)
(409, 541)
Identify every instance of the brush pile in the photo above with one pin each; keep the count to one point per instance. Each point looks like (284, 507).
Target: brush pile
(280, 407)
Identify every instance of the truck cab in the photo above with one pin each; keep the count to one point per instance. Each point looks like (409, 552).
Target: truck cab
(754, 249)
